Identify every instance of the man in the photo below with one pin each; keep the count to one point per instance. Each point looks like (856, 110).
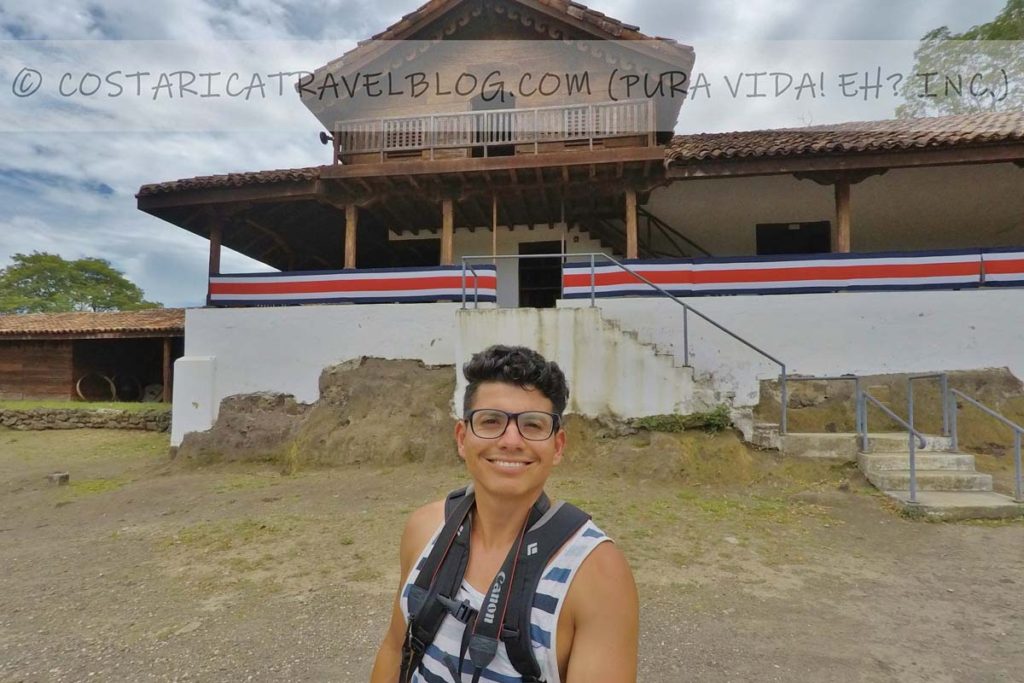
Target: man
(584, 617)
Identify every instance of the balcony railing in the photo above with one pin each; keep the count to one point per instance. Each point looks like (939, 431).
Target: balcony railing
(583, 123)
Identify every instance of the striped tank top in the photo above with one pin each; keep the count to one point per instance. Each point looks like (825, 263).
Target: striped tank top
(441, 662)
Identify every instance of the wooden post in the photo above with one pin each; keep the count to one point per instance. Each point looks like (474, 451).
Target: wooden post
(447, 232)
(215, 239)
(632, 249)
(166, 398)
(494, 226)
(351, 224)
(841, 241)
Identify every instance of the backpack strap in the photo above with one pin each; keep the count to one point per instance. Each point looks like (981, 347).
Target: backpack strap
(542, 541)
(440, 575)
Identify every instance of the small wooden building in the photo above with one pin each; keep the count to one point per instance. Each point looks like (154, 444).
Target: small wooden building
(45, 355)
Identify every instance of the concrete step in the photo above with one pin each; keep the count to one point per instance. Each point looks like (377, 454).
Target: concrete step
(953, 506)
(897, 442)
(838, 446)
(925, 460)
(930, 480)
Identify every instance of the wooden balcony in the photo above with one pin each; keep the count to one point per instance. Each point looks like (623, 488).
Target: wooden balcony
(499, 132)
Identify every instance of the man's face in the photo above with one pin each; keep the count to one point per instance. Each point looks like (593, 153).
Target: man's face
(509, 466)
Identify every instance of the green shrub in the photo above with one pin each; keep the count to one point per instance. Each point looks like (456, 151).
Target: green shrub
(713, 422)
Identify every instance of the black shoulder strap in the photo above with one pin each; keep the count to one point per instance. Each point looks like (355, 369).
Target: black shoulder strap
(541, 543)
(440, 575)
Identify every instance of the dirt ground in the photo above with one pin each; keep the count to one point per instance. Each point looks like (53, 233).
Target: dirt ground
(749, 567)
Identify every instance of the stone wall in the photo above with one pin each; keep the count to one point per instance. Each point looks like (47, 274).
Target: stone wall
(69, 418)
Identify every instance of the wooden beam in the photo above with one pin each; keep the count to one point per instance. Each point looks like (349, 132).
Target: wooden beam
(447, 232)
(214, 269)
(829, 178)
(166, 397)
(632, 239)
(638, 155)
(841, 238)
(351, 225)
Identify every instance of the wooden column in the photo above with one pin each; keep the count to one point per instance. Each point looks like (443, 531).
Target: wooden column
(841, 236)
(167, 370)
(215, 240)
(447, 232)
(632, 243)
(351, 225)
(494, 226)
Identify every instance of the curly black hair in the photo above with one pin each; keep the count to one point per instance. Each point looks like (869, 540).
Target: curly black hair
(516, 365)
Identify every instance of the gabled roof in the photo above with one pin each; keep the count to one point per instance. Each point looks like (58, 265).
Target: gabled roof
(895, 135)
(573, 13)
(599, 21)
(155, 322)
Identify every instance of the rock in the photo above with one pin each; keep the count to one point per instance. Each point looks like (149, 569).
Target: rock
(59, 478)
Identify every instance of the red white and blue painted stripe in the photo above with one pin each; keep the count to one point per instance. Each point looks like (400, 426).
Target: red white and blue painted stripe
(379, 285)
(801, 274)
(1003, 267)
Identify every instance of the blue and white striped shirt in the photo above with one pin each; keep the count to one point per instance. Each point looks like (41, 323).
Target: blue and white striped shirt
(441, 662)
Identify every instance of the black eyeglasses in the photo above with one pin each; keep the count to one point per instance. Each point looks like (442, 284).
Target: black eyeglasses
(533, 425)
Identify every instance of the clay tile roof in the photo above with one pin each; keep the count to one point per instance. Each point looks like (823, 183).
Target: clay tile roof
(965, 130)
(232, 180)
(169, 321)
(578, 11)
(613, 29)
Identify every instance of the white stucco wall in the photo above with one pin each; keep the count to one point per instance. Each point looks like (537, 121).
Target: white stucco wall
(832, 334)
(284, 349)
(238, 351)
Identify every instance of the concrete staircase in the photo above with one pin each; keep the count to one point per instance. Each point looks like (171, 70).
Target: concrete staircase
(948, 485)
(611, 370)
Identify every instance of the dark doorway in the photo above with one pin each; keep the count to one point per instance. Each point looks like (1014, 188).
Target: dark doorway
(794, 238)
(503, 125)
(540, 279)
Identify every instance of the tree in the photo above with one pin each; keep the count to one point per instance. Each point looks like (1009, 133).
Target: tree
(46, 283)
(979, 70)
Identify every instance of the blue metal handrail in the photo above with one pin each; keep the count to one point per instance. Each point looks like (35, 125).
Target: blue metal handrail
(862, 423)
(687, 309)
(1018, 430)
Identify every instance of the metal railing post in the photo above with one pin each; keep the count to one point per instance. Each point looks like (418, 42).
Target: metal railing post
(476, 289)
(686, 336)
(783, 420)
(463, 283)
(856, 409)
(911, 443)
(1018, 497)
(952, 408)
(863, 422)
(945, 404)
(593, 285)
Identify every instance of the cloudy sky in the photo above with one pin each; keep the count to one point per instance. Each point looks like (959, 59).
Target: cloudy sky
(69, 167)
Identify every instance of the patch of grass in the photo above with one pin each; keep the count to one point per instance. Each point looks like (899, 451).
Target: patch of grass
(243, 482)
(230, 534)
(63, 448)
(714, 421)
(90, 487)
(85, 405)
